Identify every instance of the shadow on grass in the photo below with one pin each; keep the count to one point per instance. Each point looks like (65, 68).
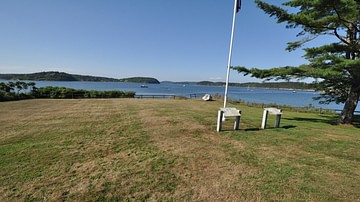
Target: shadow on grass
(325, 119)
(271, 127)
(252, 129)
(289, 127)
(258, 129)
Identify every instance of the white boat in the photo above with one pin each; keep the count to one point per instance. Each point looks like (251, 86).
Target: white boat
(207, 97)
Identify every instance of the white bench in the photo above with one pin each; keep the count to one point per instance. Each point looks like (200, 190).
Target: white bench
(272, 111)
(228, 112)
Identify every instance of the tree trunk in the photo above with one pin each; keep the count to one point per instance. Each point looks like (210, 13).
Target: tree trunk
(351, 102)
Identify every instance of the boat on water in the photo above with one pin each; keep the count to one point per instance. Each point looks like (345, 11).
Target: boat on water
(144, 86)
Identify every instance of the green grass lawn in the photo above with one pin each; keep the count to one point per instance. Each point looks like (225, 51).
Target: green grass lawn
(169, 150)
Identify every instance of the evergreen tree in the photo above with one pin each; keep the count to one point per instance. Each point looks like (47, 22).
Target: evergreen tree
(336, 65)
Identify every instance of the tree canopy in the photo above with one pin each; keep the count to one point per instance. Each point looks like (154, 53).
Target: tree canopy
(27, 90)
(335, 66)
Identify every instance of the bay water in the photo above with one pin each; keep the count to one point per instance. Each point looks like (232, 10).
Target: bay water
(296, 98)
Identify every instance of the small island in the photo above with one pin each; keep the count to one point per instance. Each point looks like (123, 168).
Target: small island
(147, 80)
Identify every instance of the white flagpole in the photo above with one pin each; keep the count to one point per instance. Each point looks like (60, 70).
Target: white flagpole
(230, 53)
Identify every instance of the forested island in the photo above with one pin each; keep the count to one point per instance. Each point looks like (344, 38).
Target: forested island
(148, 80)
(62, 76)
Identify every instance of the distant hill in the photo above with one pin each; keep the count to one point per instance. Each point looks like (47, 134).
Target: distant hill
(62, 76)
(53, 76)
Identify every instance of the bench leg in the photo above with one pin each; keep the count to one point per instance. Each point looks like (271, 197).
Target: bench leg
(264, 119)
(237, 123)
(277, 121)
(219, 120)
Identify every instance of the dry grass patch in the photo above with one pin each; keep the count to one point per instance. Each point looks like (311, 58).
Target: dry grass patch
(201, 163)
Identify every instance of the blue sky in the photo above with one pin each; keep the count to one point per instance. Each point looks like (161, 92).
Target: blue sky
(174, 40)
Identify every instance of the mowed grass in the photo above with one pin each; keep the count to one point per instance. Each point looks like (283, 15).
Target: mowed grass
(169, 150)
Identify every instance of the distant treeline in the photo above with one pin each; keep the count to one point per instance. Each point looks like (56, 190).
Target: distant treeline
(277, 85)
(140, 80)
(62, 76)
(26, 90)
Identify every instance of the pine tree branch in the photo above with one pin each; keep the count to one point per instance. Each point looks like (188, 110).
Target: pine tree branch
(341, 19)
(354, 24)
(340, 37)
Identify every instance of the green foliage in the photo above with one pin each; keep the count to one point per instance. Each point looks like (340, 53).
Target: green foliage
(336, 66)
(18, 90)
(15, 90)
(62, 93)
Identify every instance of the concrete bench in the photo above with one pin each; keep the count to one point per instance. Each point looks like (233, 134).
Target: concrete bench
(228, 112)
(272, 111)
